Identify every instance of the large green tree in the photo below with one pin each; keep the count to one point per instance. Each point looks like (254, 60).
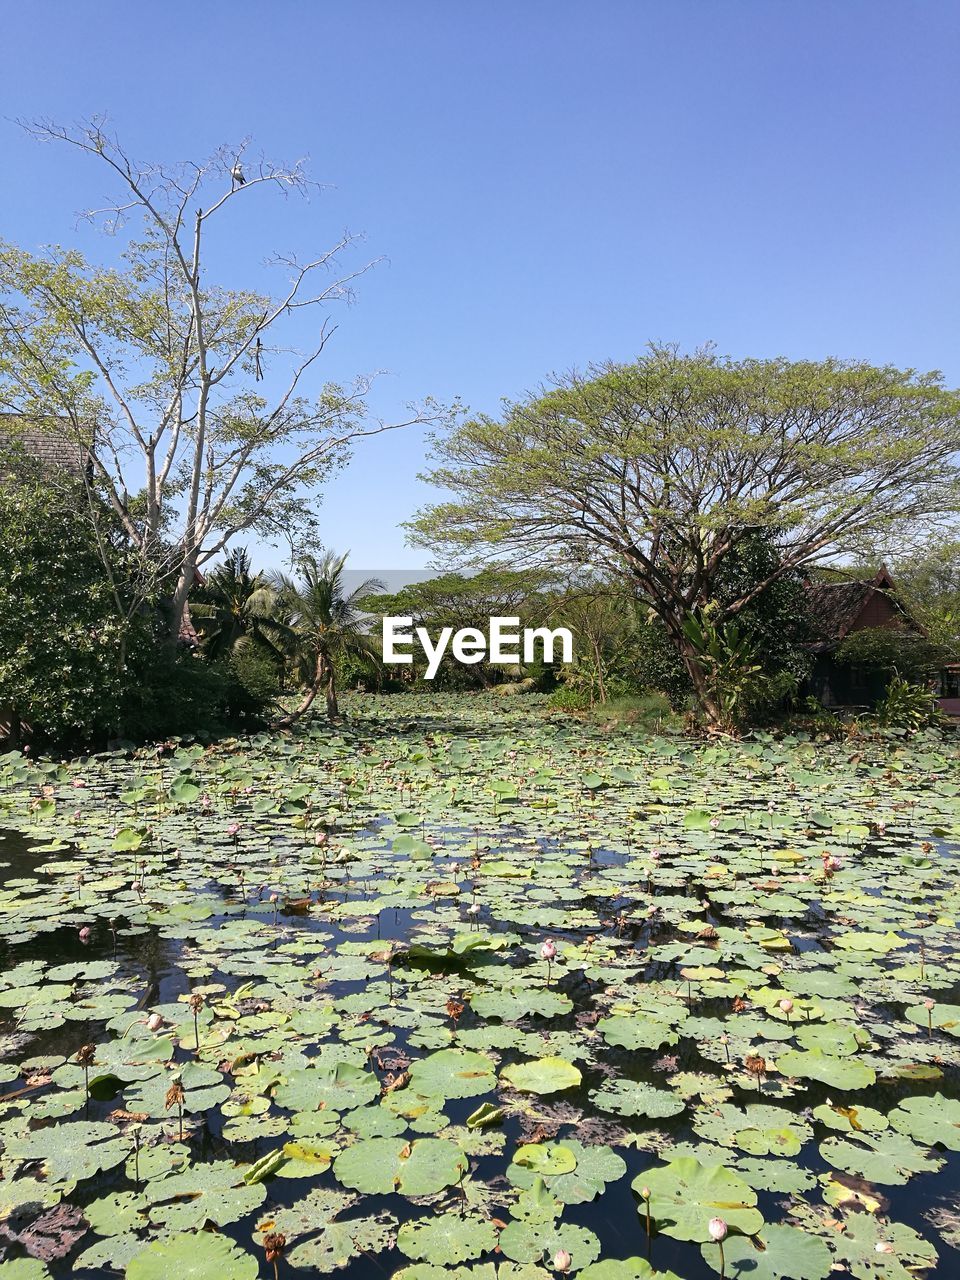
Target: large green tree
(62, 639)
(192, 387)
(657, 470)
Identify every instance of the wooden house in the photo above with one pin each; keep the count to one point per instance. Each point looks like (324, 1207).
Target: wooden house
(839, 608)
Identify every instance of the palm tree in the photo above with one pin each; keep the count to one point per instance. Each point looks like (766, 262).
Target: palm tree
(325, 624)
(235, 606)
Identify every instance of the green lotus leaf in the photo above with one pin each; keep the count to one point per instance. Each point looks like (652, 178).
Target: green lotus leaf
(447, 1239)
(814, 1064)
(486, 1114)
(875, 1250)
(942, 1017)
(625, 1269)
(194, 1256)
(685, 1195)
(778, 1253)
(339, 1243)
(341, 1086)
(543, 1075)
(72, 1151)
(851, 1119)
(306, 1159)
(511, 1006)
(116, 1214)
(635, 1098)
(212, 1192)
(934, 1121)
(758, 1130)
(889, 1158)
(638, 1032)
(379, 1166)
(16, 1194)
(532, 1241)
(596, 1167)
(453, 1073)
(548, 1160)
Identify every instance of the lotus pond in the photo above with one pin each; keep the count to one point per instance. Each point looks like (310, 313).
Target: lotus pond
(290, 1004)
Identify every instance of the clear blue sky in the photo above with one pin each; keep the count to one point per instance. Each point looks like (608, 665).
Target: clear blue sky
(551, 182)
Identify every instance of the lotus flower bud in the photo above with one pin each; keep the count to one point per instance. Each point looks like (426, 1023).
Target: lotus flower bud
(549, 952)
(718, 1230)
(562, 1260)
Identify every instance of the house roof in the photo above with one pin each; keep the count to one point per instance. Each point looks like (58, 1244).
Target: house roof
(835, 607)
(50, 442)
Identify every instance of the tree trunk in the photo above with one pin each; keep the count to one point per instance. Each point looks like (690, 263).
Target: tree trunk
(333, 711)
(705, 696)
(322, 679)
(181, 594)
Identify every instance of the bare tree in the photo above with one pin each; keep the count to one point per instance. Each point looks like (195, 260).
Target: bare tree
(161, 374)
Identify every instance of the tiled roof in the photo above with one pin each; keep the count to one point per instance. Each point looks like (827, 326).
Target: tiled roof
(51, 444)
(834, 607)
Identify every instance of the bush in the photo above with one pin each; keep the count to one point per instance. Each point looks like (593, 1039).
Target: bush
(907, 706)
(568, 699)
(888, 651)
(174, 694)
(253, 681)
(62, 637)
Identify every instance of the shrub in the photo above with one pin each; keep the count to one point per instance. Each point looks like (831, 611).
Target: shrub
(62, 637)
(907, 706)
(567, 698)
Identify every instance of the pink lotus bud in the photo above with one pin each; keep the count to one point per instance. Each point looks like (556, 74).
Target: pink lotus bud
(718, 1229)
(233, 829)
(473, 909)
(929, 1003)
(644, 1193)
(655, 855)
(154, 1022)
(549, 950)
(85, 934)
(274, 897)
(714, 823)
(786, 1006)
(562, 1260)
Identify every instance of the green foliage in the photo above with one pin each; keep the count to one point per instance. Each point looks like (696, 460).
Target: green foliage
(887, 651)
(62, 639)
(928, 584)
(906, 706)
(775, 618)
(235, 604)
(324, 625)
(665, 465)
(729, 669)
(569, 698)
